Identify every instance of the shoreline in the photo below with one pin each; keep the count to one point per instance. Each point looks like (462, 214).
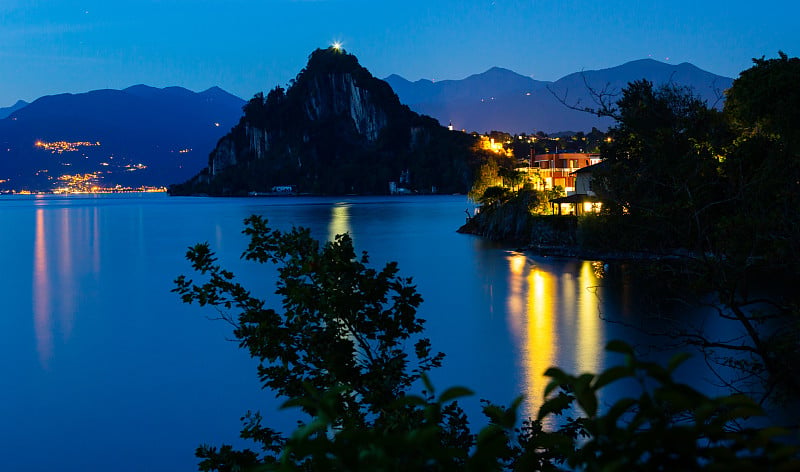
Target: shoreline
(574, 252)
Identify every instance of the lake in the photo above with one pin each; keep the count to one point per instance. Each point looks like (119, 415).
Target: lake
(103, 368)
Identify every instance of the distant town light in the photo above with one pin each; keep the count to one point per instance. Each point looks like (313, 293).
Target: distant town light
(59, 147)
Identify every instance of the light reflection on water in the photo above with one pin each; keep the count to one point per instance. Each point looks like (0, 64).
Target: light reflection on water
(42, 304)
(340, 220)
(551, 314)
(92, 337)
(66, 245)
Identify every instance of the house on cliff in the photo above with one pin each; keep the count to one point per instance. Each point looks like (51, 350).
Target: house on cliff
(582, 199)
(559, 169)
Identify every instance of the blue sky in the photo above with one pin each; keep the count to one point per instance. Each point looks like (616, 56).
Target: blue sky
(54, 46)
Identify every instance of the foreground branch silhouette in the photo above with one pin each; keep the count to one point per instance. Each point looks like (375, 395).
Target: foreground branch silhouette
(338, 350)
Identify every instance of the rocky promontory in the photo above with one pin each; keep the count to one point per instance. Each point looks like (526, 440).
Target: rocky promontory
(335, 130)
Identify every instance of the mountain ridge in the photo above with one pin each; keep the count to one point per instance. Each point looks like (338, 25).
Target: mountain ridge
(481, 102)
(4, 112)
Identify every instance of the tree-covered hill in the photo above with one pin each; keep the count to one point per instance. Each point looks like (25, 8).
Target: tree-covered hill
(335, 130)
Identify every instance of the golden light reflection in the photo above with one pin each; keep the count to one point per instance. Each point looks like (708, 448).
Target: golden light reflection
(542, 338)
(554, 315)
(530, 311)
(591, 338)
(340, 220)
(42, 303)
(517, 263)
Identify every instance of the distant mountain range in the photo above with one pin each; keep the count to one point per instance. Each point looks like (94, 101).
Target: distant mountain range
(4, 112)
(160, 136)
(500, 99)
(146, 136)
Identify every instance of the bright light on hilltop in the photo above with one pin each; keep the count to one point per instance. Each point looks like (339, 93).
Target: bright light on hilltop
(337, 45)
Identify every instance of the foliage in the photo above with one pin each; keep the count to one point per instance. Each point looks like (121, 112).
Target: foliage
(765, 97)
(686, 176)
(725, 188)
(342, 332)
(662, 164)
(719, 190)
(758, 233)
(669, 426)
(488, 175)
(512, 178)
(494, 195)
(762, 165)
(336, 352)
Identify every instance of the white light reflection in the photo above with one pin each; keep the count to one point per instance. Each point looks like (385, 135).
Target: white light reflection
(66, 245)
(340, 220)
(66, 280)
(42, 302)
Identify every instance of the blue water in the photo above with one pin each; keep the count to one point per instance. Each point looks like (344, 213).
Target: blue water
(102, 368)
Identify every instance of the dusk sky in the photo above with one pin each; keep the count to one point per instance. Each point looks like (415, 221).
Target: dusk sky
(49, 47)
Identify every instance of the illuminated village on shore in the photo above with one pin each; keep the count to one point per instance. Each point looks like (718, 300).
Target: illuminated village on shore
(86, 182)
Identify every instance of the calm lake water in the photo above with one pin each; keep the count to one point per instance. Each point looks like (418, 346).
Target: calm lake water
(102, 368)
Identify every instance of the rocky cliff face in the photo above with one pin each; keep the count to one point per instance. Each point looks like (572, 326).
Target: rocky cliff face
(337, 94)
(223, 156)
(337, 129)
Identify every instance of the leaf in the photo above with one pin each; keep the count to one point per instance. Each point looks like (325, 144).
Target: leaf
(587, 401)
(677, 360)
(612, 375)
(620, 347)
(455, 392)
(427, 382)
(408, 400)
(560, 378)
(619, 408)
(554, 405)
(305, 431)
(300, 402)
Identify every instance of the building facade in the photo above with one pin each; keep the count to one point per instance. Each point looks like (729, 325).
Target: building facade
(558, 169)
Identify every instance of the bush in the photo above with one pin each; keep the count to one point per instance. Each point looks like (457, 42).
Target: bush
(335, 350)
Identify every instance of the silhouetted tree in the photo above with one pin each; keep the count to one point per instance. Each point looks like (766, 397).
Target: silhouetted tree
(337, 350)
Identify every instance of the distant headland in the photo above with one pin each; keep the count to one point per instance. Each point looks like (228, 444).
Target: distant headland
(335, 130)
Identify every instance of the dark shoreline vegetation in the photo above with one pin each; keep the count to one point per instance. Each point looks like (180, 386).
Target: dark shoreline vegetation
(337, 350)
(710, 195)
(707, 199)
